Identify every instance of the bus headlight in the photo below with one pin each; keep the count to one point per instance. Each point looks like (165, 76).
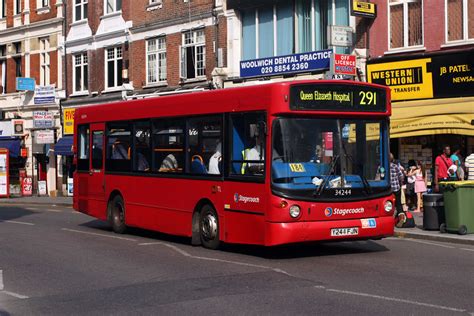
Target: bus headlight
(295, 211)
(388, 206)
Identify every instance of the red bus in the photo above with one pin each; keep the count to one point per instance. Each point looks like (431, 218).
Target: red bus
(267, 164)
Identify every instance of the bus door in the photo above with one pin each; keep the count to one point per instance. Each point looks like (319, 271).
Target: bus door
(89, 183)
(244, 193)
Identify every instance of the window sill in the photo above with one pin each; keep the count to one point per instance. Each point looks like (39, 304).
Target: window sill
(43, 10)
(193, 80)
(113, 89)
(79, 94)
(156, 85)
(154, 6)
(111, 14)
(405, 50)
(458, 43)
(80, 22)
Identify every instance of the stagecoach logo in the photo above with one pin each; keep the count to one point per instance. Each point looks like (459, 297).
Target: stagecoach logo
(246, 199)
(328, 211)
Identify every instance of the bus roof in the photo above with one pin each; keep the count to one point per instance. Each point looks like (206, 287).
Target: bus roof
(272, 97)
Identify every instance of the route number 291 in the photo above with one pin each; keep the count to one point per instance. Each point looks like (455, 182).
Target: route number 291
(368, 98)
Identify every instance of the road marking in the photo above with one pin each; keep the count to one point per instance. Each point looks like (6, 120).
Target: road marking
(22, 223)
(426, 242)
(394, 299)
(95, 234)
(42, 209)
(187, 254)
(467, 249)
(8, 292)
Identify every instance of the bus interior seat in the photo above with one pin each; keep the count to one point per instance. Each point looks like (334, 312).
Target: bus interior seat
(197, 165)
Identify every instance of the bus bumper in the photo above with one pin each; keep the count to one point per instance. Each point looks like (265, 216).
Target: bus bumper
(286, 233)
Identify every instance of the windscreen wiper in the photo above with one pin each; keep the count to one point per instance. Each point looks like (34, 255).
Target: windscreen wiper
(326, 178)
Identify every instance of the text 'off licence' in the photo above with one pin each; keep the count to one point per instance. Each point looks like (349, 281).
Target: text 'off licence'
(345, 231)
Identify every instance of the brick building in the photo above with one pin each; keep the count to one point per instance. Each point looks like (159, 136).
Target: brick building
(30, 48)
(424, 50)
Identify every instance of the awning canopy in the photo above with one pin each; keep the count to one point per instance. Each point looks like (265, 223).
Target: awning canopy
(433, 116)
(12, 144)
(64, 146)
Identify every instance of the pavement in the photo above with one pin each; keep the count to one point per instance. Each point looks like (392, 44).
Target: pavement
(414, 233)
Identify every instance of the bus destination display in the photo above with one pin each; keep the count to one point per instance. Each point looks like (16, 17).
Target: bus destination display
(332, 97)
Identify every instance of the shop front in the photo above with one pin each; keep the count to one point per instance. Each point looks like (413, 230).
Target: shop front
(16, 154)
(432, 103)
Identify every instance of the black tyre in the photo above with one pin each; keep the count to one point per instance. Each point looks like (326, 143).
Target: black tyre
(462, 230)
(209, 227)
(442, 228)
(117, 214)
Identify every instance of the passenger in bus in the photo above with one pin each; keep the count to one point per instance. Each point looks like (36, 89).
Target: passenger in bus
(215, 160)
(143, 164)
(169, 163)
(254, 153)
(119, 151)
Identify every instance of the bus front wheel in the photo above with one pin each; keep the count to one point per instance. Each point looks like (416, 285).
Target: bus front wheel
(117, 210)
(209, 227)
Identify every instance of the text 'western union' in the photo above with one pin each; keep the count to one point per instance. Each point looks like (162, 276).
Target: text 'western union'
(325, 96)
(397, 77)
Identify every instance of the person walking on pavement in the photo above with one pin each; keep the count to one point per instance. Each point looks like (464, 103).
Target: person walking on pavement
(396, 182)
(420, 185)
(442, 164)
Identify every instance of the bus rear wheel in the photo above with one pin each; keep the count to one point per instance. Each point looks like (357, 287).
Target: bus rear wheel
(209, 227)
(117, 212)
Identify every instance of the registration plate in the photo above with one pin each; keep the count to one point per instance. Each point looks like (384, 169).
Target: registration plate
(351, 231)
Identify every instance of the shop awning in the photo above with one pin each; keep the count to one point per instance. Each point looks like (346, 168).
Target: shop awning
(433, 116)
(64, 146)
(12, 144)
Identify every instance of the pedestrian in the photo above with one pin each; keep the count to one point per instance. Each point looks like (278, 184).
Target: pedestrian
(442, 164)
(396, 182)
(411, 178)
(420, 185)
(469, 163)
(456, 158)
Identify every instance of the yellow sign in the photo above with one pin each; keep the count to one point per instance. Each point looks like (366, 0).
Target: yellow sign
(297, 167)
(68, 119)
(365, 9)
(408, 79)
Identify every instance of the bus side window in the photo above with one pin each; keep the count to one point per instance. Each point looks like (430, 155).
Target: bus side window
(141, 146)
(118, 147)
(248, 132)
(168, 142)
(83, 148)
(204, 145)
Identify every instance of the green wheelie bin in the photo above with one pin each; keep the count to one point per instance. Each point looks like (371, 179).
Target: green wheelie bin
(459, 207)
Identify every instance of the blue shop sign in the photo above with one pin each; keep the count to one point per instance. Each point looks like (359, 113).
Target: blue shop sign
(304, 62)
(27, 84)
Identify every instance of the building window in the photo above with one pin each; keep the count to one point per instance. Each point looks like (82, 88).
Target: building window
(80, 10)
(156, 60)
(80, 73)
(287, 28)
(113, 6)
(42, 4)
(3, 9)
(460, 20)
(17, 7)
(17, 61)
(44, 62)
(193, 55)
(114, 65)
(406, 23)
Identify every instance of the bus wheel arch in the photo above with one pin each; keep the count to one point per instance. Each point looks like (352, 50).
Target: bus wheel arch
(206, 227)
(116, 212)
